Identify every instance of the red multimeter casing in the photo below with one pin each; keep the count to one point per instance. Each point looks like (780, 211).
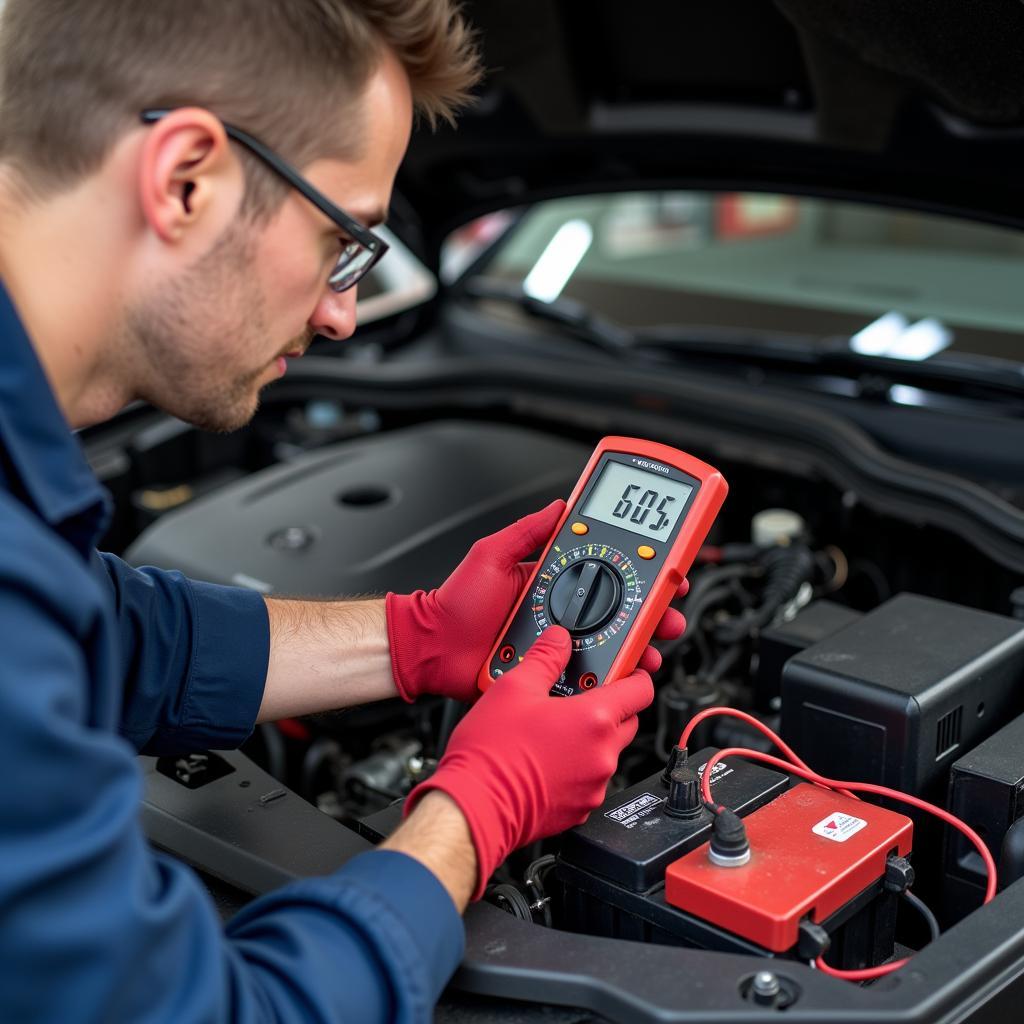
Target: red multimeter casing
(630, 532)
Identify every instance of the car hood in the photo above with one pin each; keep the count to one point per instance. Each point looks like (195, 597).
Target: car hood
(918, 103)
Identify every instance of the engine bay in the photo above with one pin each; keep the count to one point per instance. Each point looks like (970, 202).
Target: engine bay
(882, 649)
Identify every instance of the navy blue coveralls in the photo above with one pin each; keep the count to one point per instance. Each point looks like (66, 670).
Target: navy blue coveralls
(99, 661)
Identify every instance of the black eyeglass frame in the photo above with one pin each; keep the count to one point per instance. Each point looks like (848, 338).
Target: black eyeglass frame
(364, 236)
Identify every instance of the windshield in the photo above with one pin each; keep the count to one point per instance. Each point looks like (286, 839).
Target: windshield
(899, 283)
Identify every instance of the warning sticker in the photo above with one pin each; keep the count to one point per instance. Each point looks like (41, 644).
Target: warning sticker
(718, 773)
(839, 827)
(640, 806)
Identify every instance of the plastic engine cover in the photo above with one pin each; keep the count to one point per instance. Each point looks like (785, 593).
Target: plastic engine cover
(396, 511)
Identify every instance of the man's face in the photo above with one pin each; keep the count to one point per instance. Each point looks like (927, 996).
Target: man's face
(214, 335)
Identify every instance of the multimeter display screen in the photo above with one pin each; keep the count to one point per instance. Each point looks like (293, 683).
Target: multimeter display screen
(636, 500)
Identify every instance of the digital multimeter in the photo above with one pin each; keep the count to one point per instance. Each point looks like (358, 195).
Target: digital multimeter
(630, 532)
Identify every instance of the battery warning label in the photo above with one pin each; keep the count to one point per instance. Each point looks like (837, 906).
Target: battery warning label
(718, 773)
(628, 815)
(839, 827)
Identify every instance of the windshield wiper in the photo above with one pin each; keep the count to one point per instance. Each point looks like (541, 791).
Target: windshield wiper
(576, 318)
(819, 354)
(598, 331)
(659, 346)
(949, 368)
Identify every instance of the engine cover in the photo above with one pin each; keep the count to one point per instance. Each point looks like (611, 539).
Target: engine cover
(396, 511)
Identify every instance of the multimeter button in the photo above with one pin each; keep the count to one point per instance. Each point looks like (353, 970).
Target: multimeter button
(580, 528)
(585, 596)
(588, 681)
(646, 551)
(507, 653)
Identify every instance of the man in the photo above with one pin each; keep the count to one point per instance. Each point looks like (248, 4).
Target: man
(152, 248)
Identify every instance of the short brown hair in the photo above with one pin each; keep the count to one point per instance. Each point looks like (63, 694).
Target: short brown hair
(75, 74)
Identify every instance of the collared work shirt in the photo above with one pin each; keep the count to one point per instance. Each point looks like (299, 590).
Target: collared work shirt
(99, 661)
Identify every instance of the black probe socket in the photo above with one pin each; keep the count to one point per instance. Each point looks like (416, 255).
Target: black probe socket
(684, 799)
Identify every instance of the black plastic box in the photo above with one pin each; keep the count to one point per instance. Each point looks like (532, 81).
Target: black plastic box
(780, 641)
(986, 790)
(898, 695)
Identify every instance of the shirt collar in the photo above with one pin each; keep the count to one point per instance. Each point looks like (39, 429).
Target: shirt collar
(43, 453)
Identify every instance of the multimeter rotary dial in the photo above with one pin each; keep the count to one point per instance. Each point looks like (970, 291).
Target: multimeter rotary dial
(585, 596)
(591, 590)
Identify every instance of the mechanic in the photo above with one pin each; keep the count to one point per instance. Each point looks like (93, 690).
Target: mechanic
(168, 258)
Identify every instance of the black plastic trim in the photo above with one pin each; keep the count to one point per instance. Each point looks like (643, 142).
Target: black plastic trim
(695, 408)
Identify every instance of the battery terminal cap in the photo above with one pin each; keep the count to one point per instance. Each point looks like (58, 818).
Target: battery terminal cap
(684, 799)
(729, 846)
(677, 758)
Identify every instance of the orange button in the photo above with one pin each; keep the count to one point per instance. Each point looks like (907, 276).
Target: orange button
(580, 528)
(646, 551)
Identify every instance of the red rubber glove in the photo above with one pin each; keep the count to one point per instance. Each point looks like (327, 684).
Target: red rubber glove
(439, 640)
(523, 765)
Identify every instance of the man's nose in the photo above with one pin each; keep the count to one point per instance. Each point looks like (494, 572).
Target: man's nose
(335, 314)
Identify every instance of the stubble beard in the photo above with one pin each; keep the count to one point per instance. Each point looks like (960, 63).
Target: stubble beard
(188, 344)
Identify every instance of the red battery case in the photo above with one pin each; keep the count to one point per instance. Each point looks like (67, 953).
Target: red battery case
(811, 852)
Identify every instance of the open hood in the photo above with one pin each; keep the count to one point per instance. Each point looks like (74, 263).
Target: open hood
(918, 103)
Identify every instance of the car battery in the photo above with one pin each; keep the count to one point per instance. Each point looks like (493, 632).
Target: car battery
(612, 867)
(814, 854)
(612, 872)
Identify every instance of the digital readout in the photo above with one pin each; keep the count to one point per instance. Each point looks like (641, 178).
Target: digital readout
(636, 500)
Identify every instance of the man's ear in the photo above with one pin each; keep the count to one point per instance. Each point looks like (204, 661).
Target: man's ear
(186, 167)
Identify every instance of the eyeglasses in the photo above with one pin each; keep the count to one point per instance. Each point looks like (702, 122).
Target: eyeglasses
(361, 250)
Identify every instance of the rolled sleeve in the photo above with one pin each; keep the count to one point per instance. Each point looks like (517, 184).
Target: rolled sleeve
(229, 665)
(194, 655)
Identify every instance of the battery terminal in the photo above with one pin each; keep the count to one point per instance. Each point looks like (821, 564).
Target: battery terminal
(729, 846)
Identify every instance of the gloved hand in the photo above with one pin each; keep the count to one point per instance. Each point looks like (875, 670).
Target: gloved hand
(439, 640)
(523, 765)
